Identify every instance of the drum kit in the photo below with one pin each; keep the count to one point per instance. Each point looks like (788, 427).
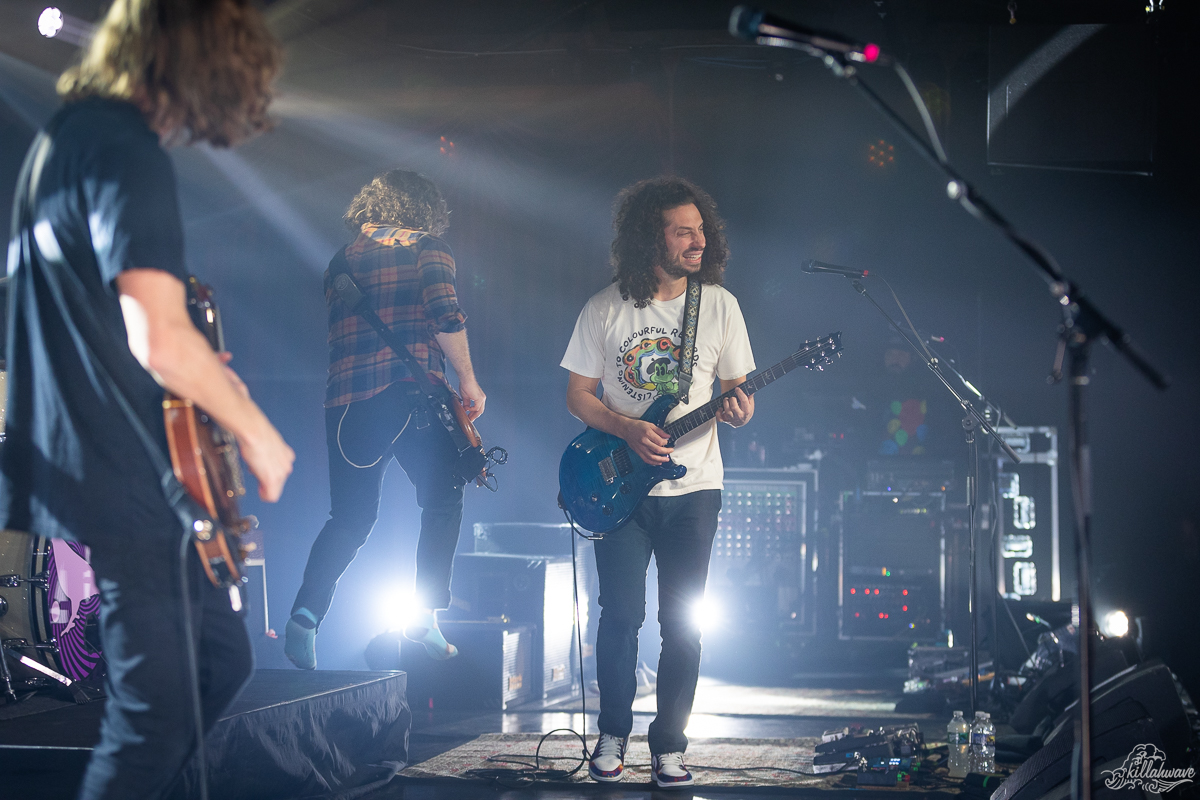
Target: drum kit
(49, 613)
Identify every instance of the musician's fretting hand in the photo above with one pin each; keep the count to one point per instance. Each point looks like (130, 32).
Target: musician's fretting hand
(736, 409)
(473, 398)
(649, 441)
(234, 378)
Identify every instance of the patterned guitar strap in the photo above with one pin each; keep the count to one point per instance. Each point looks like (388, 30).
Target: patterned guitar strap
(687, 350)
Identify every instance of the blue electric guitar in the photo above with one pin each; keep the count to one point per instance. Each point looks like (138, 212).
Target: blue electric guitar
(602, 481)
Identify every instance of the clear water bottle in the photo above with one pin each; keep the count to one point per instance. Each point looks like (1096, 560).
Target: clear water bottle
(958, 738)
(987, 753)
(983, 743)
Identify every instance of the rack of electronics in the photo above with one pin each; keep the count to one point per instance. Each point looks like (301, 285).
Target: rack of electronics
(881, 554)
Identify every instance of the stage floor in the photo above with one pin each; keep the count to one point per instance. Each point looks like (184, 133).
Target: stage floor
(44, 743)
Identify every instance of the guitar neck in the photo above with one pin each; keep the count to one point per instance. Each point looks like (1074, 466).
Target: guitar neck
(694, 419)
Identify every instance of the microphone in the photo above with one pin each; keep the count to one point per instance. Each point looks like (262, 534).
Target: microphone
(813, 267)
(766, 28)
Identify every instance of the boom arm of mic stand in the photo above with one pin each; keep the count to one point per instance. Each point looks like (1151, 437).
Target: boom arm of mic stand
(967, 406)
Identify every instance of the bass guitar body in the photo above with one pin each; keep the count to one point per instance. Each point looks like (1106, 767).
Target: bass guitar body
(602, 480)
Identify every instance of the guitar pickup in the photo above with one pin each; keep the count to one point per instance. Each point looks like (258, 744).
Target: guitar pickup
(608, 469)
(621, 459)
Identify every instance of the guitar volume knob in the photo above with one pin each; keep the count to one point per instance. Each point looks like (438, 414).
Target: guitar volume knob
(625, 488)
(607, 511)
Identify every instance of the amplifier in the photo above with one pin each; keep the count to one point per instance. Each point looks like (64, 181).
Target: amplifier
(1028, 560)
(760, 554)
(524, 590)
(892, 565)
(493, 668)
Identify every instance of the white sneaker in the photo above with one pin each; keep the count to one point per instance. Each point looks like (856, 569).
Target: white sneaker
(607, 764)
(669, 771)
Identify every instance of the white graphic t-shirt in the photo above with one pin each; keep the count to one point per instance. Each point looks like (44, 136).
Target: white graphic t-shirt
(635, 354)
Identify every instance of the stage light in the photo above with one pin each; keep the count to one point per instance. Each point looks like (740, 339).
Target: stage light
(396, 609)
(50, 22)
(706, 614)
(54, 24)
(881, 154)
(1115, 623)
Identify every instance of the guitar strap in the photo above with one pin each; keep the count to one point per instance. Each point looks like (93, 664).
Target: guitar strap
(471, 459)
(687, 350)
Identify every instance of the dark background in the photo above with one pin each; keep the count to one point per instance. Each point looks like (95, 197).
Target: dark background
(532, 114)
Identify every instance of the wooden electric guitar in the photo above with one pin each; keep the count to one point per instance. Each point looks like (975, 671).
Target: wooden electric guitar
(602, 480)
(207, 462)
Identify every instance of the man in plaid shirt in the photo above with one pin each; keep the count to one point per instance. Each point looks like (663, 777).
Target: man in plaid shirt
(373, 409)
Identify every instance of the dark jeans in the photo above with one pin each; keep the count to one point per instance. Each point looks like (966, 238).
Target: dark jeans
(368, 429)
(147, 734)
(679, 532)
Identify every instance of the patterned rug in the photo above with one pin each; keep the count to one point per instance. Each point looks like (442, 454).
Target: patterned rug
(714, 762)
(715, 697)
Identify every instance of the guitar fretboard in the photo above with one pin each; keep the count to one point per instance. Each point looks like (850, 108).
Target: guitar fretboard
(808, 355)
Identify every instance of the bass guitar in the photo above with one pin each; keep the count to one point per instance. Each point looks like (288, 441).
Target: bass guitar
(206, 460)
(602, 481)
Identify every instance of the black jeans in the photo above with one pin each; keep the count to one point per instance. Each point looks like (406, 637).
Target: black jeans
(368, 437)
(147, 734)
(679, 532)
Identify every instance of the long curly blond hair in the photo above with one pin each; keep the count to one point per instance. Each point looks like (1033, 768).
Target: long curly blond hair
(401, 198)
(198, 69)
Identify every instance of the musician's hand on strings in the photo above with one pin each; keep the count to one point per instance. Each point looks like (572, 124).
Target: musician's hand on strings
(473, 398)
(736, 409)
(234, 378)
(649, 441)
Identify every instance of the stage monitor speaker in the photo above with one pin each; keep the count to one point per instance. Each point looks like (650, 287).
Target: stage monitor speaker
(492, 671)
(1141, 706)
(525, 590)
(1074, 97)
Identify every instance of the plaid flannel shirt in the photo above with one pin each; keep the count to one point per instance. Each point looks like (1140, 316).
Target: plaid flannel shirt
(408, 276)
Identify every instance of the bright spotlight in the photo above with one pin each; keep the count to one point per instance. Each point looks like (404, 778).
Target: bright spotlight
(1115, 623)
(50, 22)
(706, 614)
(396, 609)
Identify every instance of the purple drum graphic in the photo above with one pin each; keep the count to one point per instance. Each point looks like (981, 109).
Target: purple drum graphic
(73, 599)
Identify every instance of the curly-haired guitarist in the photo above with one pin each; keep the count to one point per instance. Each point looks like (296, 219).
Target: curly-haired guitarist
(374, 410)
(627, 341)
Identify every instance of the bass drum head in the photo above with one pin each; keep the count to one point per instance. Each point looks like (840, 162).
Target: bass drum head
(59, 619)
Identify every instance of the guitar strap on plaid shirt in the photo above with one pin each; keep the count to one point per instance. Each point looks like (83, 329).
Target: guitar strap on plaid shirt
(687, 349)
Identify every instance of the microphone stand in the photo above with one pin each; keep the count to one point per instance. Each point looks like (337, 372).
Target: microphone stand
(972, 420)
(1083, 324)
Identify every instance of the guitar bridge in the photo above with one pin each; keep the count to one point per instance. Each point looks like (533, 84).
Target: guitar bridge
(608, 469)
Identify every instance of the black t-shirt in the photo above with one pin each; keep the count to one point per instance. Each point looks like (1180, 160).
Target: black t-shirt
(105, 201)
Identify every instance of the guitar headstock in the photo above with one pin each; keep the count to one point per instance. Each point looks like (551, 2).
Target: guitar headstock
(819, 352)
(204, 312)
